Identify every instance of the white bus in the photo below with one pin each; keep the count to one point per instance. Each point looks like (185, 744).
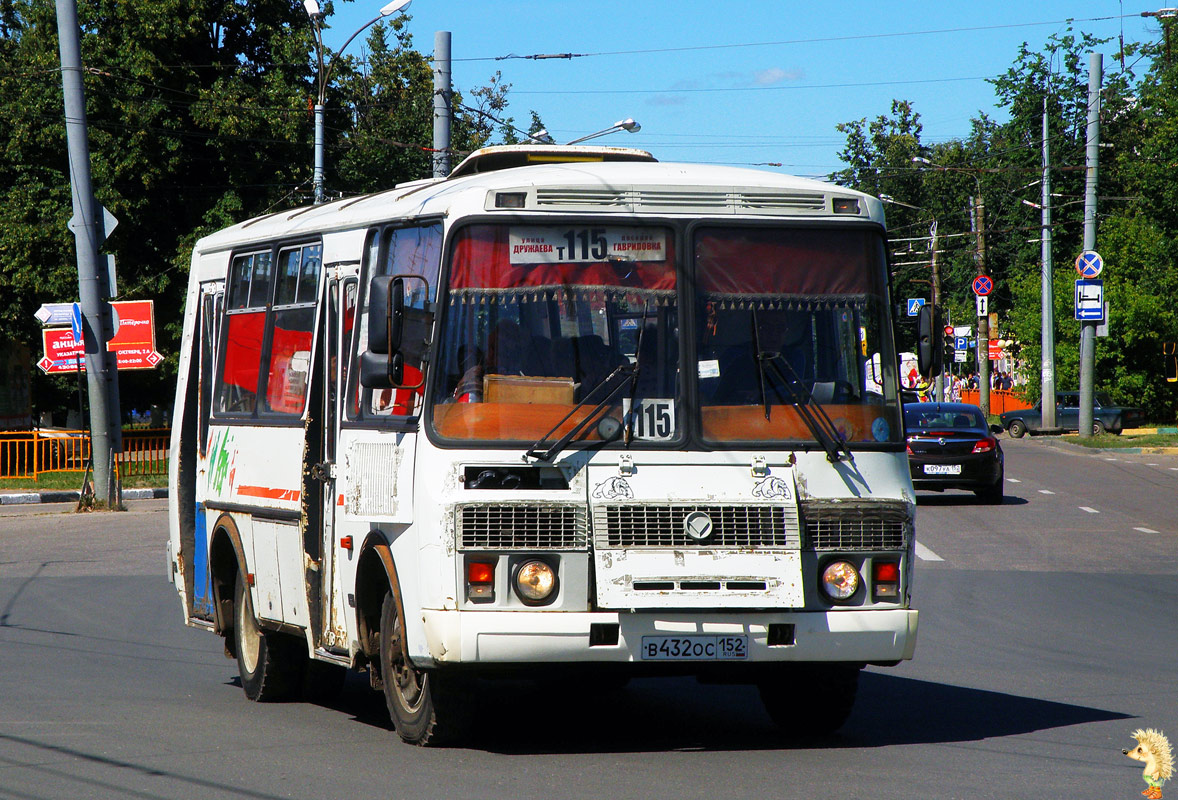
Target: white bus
(569, 408)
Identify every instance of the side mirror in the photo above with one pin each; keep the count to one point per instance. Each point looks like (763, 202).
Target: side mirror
(386, 314)
(929, 350)
(380, 371)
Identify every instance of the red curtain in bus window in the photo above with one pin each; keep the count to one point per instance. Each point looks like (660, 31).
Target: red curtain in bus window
(482, 261)
(243, 350)
(290, 360)
(744, 261)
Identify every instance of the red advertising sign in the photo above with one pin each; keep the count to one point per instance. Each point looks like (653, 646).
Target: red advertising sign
(133, 342)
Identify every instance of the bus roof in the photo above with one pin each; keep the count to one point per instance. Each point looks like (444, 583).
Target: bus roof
(567, 179)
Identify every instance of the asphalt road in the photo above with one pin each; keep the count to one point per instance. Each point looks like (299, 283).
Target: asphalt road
(1046, 638)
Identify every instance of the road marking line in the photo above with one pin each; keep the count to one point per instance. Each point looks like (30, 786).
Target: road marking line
(1151, 465)
(1174, 469)
(924, 554)
(1111, 459)
(1046, 491)
(1089, 510)
(1013, 480)
(1145, 530)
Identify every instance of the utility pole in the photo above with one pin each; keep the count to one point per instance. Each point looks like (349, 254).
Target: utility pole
(93, 288)
(442, 100)
(978, 223)
(940, 381)
(1047, 357)
(1088, 327)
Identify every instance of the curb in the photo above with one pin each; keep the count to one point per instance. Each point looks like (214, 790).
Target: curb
(17, 498)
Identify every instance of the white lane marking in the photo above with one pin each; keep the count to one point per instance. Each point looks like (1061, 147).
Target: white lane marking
(1089, 510)
(1151, 465)
(1013, 480)
(1111, 459)
(924, 554)
(1046, 491)
(1173, 469)
(1145, 530)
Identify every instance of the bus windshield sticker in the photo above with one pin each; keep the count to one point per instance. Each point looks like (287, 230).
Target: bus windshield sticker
(561, 245)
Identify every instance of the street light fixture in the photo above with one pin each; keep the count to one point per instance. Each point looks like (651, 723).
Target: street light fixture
(627, 124)
(315, 13)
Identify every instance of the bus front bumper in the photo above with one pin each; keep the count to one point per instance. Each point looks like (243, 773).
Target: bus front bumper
(534, 637)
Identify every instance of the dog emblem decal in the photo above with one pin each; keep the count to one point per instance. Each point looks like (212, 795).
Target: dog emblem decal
(613, 489)
(772, 488)
(1153, 748)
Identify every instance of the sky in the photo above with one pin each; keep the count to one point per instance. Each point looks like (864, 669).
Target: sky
(745, 82)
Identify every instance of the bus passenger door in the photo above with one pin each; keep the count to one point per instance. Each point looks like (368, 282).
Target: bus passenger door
(195, 546)
(341, 317)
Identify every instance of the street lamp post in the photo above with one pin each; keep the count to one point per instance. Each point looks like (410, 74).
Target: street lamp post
(936, 279)
(628, 125)
(324, 75)
(978, 223)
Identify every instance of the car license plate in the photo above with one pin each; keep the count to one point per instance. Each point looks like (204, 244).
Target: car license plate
(695, 647)
(942, 469)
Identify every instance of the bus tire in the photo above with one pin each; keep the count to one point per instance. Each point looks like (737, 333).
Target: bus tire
(426, 708)
(809, 700)
(270, 664)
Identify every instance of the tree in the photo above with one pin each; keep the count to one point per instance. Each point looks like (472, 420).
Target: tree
(199, 118)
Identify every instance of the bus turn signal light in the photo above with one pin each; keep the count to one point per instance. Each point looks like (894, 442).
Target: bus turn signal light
(480, 581)
(886, 579)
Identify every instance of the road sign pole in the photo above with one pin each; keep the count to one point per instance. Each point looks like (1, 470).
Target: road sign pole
(102, 378)
(1088, 328)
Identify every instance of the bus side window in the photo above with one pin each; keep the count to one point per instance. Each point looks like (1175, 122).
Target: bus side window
(289, 359)
(244, 331)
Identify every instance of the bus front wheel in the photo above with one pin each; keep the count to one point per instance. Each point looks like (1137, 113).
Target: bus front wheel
(270, 664)
(425, 707)
(808, 700)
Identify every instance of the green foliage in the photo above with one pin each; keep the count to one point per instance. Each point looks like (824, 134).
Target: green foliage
(1001, 164)
(199, 117)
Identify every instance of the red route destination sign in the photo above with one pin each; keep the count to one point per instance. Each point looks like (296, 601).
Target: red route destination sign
(133, 343)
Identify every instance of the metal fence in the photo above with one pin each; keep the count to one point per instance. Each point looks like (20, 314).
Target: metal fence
(30, 454)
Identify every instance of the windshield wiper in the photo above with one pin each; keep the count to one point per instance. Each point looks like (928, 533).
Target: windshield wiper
(813, 414)
(631, 373)
(634, 377)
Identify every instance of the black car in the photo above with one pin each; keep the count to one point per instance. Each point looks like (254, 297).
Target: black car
(951, 446)
(1106, 417)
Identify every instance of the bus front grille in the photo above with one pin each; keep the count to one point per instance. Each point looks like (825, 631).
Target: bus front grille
(856, 525)
(522, 526)
(733, 526)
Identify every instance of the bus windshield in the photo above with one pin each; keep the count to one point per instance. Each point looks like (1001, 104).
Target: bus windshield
(544, 322)
(539, 317)
(787, 317)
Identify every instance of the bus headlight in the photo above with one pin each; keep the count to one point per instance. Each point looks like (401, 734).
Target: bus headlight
(535, 582)
(840, 580)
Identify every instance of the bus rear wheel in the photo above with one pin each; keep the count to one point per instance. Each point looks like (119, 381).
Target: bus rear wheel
(807, 700)
(426, 708)
(270, 664)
